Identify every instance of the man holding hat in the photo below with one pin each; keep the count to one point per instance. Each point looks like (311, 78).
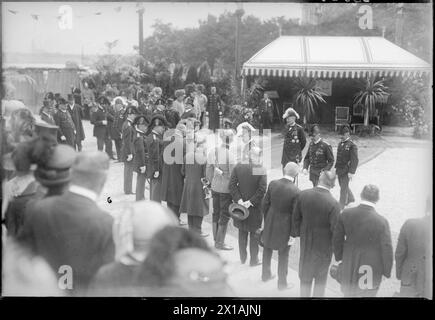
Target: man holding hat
(247, 186)
(319, 156)
(71, 230)
(347, 162)
(294, 138)
(314, 220)
(76, 113)
(99, 118)
(141, 124)
(63, 119)
(127, 149)
(278, 206)
(220, 164)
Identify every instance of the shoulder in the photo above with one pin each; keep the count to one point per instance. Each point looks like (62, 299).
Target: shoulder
(326, 143)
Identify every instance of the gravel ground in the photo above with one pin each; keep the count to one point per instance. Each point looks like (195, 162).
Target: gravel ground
(402, 169)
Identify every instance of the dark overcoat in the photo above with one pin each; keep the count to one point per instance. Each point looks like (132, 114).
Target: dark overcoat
(248, 186)
(294, 143)
(278, 206)
(140, 152)
(347, 158)
(412, 252)
(47, 118)
(154, 143)
(172, 175)
(314, 220)
(117, 124)
(128, 135)
(362, 238)
(213, 107)
(77, 116)
(192, 200)
(70, 230)
(66, 126)
(97, 117)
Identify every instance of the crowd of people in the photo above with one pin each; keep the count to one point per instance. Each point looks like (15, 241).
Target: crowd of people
(50, 203)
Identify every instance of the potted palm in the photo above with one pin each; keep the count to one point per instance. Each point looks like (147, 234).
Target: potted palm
(308, 95)
(371, 94)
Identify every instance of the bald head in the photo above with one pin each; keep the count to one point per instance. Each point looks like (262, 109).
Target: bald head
(370, 193)
(90, 170)
(327, 179)
(291, 169)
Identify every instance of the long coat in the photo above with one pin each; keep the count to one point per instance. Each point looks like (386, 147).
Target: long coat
(278, 206)
(117, 124)
(172, 175)
(66, 126)
(412, 252)
(314, 220)
(192, 200)
(294, 143)
(128, 135)
(47, 118)
(140, 152)
(97, 117)
(362, 238)
(214, 105)
(70, 230)
(248, 186)
(77, 115)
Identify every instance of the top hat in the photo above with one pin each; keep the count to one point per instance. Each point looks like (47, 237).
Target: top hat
(238, 212)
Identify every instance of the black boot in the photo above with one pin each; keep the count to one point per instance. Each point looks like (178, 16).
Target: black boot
(220, 238)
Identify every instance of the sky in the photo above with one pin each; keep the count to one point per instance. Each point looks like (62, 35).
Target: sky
(90, 32)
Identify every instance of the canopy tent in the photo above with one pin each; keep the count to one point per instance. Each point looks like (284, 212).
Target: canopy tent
(333, 57)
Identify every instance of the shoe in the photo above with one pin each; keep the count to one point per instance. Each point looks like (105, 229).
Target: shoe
(242, 261)
(265, 279)
(284, 286)
(255, 263)
(220, 238)
(223, 246)
(203, 234)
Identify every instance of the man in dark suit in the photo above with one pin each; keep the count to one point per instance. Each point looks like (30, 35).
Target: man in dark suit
(278, 205)
(76, 113)
(319, 156)
(127, 149)
(141, 124)
(99, 118)
(314, 220)
(413, 256)
(214, 108)
(248, 184)
(266, 113)
(117, 119)
(63, 119)
(70, 231)
(362, 241)
(347, 162)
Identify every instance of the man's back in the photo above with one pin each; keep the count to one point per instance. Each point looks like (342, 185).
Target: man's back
(70, 230)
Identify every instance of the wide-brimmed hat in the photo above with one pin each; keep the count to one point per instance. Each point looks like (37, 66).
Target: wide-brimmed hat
(244, 125)
(238, 212)
(180, 93)
(158, 117)
(141, 116)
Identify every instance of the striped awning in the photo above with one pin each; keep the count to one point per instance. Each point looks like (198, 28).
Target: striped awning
(334, 57)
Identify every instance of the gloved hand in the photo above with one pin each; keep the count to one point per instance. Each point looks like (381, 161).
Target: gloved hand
(62, 138)
(142, 169)
(129, 157)
(156, 174)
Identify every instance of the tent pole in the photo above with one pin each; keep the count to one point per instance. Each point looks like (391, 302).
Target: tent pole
(242, 87)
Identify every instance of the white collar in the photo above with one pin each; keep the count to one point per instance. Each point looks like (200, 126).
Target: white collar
(368, 203)
(81, 191)
(47, 114)
(323, 187)
(342, 141)
(317, 141)
(289, 178)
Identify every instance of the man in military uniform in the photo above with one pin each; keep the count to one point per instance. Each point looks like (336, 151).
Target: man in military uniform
(294, 138)
(67, 129)
(347, 162)
(140, 123)
(319, 156)
(266, 113)
(117, 119)
(99, 118)
(214, 108)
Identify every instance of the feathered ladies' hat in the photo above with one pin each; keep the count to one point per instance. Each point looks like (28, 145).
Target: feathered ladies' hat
(244, 125)
(290, 112)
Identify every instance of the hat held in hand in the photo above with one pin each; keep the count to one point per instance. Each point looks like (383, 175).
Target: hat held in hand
(238, 212)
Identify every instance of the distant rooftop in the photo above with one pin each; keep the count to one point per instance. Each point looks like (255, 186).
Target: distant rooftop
(46, 66)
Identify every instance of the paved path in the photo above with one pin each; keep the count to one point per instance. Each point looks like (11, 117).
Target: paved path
(403, 172)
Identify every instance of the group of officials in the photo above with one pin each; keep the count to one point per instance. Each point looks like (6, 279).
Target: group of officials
(162, 141)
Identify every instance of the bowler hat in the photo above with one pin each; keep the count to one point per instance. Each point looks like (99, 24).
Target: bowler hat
(238, 212)
(57, 169)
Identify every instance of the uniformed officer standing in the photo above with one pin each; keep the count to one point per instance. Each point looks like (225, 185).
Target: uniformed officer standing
(140, 123)
(319, 156)
(294, 138)
(67, 129)
(347, 162)
(266, 113)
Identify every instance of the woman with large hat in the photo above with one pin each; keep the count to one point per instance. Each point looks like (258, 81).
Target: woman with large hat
(141, 124)
(127, 149)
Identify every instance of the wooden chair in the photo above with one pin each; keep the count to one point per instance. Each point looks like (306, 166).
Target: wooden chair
(341, 116)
